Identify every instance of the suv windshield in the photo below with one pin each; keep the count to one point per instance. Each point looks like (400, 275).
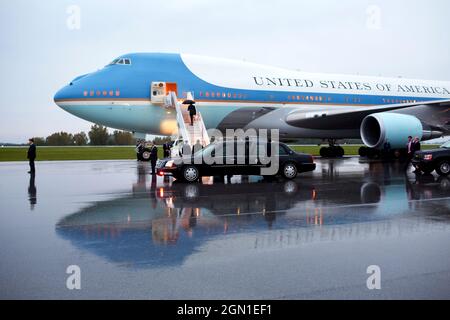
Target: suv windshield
(446, 145)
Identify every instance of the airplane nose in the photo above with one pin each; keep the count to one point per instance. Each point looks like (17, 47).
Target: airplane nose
(74, 90)
(63, 94)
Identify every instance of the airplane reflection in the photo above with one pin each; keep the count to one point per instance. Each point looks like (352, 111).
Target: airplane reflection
(162, 222)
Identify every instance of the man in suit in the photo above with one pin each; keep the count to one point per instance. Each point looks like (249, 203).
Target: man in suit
(31, 155)
(197, 146)
(415, 147)
(192, 112)
(139, 149)
(416, 144)
(166, 150)
(153, 157)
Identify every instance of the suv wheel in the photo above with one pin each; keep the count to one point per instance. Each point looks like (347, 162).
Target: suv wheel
(190, 173)
(289, 171)
(443, 168)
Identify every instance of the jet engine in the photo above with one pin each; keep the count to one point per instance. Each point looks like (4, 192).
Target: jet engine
(378, 128)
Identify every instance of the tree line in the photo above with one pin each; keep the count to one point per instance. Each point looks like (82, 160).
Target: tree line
(97, 136)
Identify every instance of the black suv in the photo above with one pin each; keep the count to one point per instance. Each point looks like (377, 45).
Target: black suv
(190, 169)
(436, 159)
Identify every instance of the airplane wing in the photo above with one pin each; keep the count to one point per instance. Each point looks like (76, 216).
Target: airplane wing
(436, 112)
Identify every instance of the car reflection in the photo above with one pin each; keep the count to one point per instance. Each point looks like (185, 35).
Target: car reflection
(162, 222)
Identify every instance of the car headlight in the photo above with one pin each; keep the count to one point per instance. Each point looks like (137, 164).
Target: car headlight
(169, 164)
(428, 157)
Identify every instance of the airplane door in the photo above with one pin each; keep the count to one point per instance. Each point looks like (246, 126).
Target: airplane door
(171, 86)
(159, 91)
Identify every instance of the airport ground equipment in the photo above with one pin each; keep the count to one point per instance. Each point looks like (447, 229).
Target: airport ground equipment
(187, 132)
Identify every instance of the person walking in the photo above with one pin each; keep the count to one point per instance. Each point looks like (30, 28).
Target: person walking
(153, 157)
(31, 155)
(192, 112)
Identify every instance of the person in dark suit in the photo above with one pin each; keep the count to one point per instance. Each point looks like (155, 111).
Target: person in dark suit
(166, 150)
(192, 112)
(409, 151)
(186, 150)
(415, 146)
(31, 155)
(153, 157)
(139, 149)
(197, 146)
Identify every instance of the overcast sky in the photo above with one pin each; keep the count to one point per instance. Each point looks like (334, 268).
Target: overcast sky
(40, 53)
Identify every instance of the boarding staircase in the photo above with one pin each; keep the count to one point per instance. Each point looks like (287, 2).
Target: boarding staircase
(191, 134)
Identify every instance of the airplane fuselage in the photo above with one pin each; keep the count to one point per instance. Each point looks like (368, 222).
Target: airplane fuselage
(230, 94)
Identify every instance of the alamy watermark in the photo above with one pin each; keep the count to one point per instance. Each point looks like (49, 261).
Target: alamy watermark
(73, 281)
(374, 280)
(373, 20)
(73, 21)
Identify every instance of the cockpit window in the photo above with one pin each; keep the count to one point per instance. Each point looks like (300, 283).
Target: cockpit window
(121, 61)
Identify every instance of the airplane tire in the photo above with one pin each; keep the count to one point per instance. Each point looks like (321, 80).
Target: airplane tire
(372, 153)
(362, 151)
(339, 152)
(324, 152)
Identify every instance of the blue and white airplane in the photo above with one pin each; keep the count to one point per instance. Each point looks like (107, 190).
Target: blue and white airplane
(129, 94)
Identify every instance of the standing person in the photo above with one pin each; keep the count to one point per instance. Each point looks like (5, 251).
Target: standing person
(409, 145)
(138, 150)
(409, 150)
(387, 149)
(415, 147)
(166, 150)
(197, 146)
(31, 155)
(153, 157)
(192, 112)
(186, 150)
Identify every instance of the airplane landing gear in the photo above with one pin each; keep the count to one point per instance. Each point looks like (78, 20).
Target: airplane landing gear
(333, 151)
(369, 153)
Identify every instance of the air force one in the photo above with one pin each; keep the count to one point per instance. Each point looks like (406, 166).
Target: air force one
(130, 94)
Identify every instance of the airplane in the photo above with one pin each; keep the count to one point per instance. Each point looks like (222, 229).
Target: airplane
(129, 94)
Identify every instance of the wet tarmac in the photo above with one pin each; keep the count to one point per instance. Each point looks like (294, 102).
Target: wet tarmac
(134, 235)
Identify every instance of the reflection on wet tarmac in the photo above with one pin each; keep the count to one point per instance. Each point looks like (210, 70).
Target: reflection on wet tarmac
(162, 222)
(32, 192)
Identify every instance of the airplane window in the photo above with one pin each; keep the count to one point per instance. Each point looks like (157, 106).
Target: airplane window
(122, 61)
(114, 62)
